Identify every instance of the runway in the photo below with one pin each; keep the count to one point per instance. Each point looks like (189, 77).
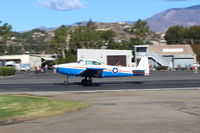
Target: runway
(125, 111)
(30, 82)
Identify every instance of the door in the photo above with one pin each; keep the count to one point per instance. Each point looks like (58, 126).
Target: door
(118, 60)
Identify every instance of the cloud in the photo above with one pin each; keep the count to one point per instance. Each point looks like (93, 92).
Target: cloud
(64, 5)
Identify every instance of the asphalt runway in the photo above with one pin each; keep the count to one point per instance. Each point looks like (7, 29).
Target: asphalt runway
(113, 112)
(30, 82)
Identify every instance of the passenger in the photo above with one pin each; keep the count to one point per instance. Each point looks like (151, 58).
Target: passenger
(41, 69)
(196, 68)
(36, 70)
(46, 68)
(54, 71)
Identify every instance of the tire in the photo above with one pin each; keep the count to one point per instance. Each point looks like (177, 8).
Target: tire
(83, 81)
(86, 82)
(66, 83)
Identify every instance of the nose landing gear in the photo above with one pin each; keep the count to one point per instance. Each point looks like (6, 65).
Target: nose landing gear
(66, 82)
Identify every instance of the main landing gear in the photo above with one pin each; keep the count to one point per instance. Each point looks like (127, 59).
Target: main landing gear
(87, 81)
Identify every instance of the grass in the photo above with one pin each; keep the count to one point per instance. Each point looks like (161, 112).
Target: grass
(22, 107)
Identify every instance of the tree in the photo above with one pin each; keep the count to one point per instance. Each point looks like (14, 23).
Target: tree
(192, 35)
(108, 36)
(196, 49)
(140, 30)
(85, 37)
(175, 35)
(13, 49)
(59, 42)
(181, 35)
(5, 32)
(91, 25)
(2, 49)
(126, 45)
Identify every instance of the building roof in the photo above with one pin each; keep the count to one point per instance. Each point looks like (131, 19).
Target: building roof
(171, 49)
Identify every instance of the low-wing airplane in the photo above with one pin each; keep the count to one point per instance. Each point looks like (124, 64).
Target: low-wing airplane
(89, 68)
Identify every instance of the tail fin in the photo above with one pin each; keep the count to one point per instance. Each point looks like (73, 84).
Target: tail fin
(143, 65)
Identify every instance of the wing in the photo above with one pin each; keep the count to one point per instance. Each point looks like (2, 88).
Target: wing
(92, 72)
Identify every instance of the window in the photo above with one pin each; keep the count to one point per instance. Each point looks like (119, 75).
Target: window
(96, 63)
(141, 49)
(90, 62)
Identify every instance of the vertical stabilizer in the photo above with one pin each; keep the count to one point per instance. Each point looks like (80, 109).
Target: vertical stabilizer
(144, 65)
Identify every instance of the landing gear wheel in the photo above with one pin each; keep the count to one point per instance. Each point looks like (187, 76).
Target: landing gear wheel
(89, 81)
(83, 81)
(86, 82)
(66, 83)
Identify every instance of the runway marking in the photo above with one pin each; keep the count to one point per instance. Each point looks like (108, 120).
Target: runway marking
(97, 91)
(125, 90)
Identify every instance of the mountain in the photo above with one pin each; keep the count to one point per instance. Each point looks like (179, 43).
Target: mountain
(188, 16)
(83, 23)
(47, 29)
(160, 22)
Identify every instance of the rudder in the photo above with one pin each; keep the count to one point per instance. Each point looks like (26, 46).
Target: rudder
(144, 65)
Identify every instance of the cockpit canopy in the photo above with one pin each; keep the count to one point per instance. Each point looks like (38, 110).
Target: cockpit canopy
(89, 62)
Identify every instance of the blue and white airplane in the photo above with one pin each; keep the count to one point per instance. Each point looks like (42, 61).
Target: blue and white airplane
(89, 68)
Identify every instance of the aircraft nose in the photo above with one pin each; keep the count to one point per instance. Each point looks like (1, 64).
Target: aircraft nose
(55, 66)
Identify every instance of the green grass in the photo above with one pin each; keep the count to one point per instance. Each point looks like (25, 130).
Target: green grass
(22, 107)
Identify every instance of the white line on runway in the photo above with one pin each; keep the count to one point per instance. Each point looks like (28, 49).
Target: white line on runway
(125, 90)
(97, 91)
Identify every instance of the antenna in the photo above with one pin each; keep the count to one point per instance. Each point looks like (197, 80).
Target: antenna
(117, 63)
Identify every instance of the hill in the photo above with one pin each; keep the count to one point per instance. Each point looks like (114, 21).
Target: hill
(188, 16)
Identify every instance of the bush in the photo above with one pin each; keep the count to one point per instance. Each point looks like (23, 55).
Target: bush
(6, 71)
(162, 68)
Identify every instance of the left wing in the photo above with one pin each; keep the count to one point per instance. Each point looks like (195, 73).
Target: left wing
(92, 72)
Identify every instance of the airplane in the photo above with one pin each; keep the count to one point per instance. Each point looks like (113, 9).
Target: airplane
(89, 68)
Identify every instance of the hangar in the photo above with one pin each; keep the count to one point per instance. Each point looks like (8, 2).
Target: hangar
(108, 57)
(26, 61)
(172, 56)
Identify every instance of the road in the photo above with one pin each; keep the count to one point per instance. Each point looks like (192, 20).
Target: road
(30, 82)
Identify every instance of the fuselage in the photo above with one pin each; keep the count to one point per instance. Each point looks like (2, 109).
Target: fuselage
(75, 69)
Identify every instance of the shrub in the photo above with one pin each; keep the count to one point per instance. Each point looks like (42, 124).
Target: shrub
(162, 68)
(6, 71)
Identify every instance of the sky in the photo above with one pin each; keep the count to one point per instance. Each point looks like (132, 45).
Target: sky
(25, 15)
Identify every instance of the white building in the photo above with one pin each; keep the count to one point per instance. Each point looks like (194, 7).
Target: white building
(173, 56)
(109, 57)
(26, 61)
